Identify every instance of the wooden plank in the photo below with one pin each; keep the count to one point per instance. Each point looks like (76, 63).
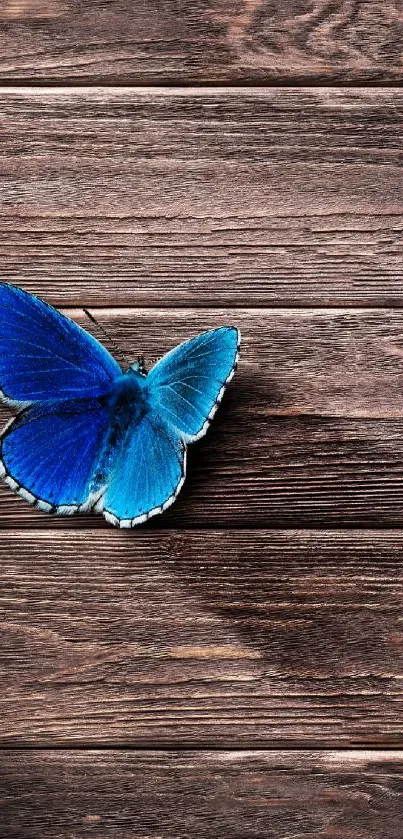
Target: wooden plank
(275, 795)
(203, 197)
(310, 431)
(155, 42)
(202, 638)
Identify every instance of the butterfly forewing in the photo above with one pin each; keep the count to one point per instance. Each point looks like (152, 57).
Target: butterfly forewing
(186, 386)
(45, 355)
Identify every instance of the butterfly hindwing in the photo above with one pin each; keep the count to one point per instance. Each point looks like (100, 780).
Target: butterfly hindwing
(187, 384)
(45, 355)
(148, 475)
(49, 453)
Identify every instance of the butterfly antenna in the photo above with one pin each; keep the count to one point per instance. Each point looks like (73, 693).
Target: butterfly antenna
(141, 366)
(112, 342)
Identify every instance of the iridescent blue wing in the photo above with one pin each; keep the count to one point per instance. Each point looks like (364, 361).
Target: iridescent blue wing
(49, 453)
(182, 392)
(187, 385)
(44, 355)
(148, 474)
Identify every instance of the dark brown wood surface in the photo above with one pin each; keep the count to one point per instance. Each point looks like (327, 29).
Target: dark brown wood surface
(278, 795)
(206, 197)
(254, 615)
(310, 431)
(157, 42)
(203, 638)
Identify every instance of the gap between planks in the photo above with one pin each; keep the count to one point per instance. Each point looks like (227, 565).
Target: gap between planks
(237, 307)
(173, 86)
(357, 747)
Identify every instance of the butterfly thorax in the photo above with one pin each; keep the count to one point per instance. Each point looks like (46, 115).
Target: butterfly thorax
(127, 397)
(127, 405)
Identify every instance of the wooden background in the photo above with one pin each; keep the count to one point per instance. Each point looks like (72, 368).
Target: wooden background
(234, 668)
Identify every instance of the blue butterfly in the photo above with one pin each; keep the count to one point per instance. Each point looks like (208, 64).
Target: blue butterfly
(87, 435)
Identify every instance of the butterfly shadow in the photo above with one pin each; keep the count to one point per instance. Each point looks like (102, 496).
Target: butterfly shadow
(218, 460)
(239, 578)
(294, 607)
(266, 587)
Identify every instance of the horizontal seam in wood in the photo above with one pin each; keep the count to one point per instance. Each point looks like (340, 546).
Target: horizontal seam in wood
(268, 307)
(173, 84)
(196, 528)
(301, 747)
(300, 525)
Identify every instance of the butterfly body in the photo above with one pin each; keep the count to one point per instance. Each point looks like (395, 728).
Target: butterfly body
(127, 398)
(90, 437)
(127, 405)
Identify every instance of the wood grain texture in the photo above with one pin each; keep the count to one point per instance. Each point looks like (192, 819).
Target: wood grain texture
(310, 431)
(203, 197)
(258, 41)
(276, 795)
(240, 638)
(237, 639)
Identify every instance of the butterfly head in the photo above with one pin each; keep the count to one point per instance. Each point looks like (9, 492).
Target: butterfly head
(139, 366)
